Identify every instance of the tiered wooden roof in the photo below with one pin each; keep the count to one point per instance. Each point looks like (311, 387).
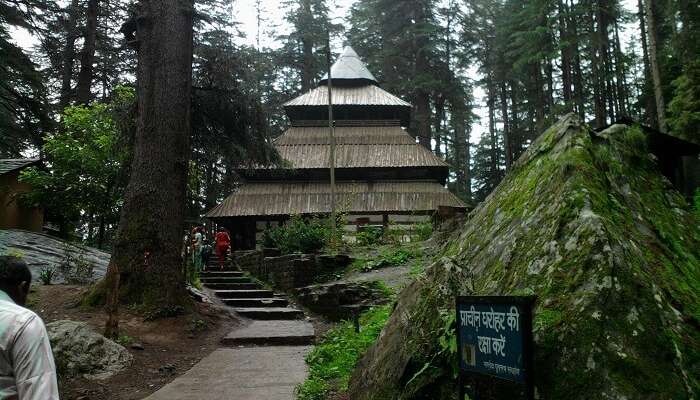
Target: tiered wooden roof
(290, 198)
(379, 166)
(12, 164)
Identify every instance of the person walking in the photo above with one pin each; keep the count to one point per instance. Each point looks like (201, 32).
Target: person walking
(27, 368)
(223, 243)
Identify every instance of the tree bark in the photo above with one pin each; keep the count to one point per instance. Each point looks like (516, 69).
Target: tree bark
(654, 63)
(565, 55)
(649, 109)
(68, 56)
(146, 255)
(307, 70)
(507, 142)
(87, 56)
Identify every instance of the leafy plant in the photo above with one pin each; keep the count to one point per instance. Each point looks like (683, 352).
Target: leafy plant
(370, 235)
(696, 202)
(331, 362)
(299, 235)
(125, 340)
(46, 275)
(423, 230)
(197, 325)
(12, 252)
(390, 258)
(75, 269)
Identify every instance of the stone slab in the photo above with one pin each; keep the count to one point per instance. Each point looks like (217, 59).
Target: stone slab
(248, 373)
(270, 313)
(272, 333)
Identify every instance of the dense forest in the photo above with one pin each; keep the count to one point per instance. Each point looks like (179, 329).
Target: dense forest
(72, 97)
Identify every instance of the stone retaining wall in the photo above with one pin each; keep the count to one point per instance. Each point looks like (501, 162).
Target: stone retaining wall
(284, 272)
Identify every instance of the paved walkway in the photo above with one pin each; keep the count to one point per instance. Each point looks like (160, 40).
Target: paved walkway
(247, 373)
(269, 372)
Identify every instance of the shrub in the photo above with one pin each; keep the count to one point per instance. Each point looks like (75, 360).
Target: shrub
(423, 230)
(75, 269)
(696, 202)
(46, 275)
(370, 235)
(390, 258)
(299, 235)
(331, 362)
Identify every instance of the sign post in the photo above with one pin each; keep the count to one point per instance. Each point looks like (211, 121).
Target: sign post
(494, 339)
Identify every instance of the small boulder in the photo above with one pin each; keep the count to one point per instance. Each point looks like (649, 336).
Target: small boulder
(78, 350)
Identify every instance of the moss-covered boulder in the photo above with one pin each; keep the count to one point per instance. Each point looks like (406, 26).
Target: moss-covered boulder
(585, 222)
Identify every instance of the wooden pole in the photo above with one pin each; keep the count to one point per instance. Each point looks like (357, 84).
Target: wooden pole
(331, 132)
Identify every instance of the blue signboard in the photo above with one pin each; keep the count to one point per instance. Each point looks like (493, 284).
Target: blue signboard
(494, 335)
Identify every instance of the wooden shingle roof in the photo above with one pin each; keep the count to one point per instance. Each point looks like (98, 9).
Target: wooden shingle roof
(368, 95)
(288, 198)
(356, 147)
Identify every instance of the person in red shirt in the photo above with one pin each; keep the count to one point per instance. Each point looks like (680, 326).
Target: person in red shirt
(223, 242)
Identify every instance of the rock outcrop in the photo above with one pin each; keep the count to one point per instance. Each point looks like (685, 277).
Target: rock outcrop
(585, 222)
(337, 300)
(78, 350)
(42, 251)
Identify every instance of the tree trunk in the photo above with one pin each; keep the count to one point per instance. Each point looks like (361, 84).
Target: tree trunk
(146, 254)
(507, 142)
(307, 45)
(577, 69)
(565, 56)
(649, 109)
(87, 56)
(68, 56)
(654, 63)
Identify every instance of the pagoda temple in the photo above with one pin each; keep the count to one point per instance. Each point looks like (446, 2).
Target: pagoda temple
(382, 175)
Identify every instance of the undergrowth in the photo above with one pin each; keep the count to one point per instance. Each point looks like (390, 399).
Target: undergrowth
(389, 258)
(331, 362)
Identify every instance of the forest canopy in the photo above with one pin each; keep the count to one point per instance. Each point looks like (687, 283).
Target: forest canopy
(485, 77)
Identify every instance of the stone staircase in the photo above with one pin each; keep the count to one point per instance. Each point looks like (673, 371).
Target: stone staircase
(273, 320)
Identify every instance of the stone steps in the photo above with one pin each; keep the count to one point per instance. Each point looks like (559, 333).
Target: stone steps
(224, 279)
(272, 333)
(234, 286)
(257, 302)
(273, 323)
(244, 294)
(220, 274)
(269, 313)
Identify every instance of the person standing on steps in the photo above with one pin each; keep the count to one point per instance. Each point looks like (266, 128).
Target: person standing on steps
(27, 368)
(223, 243)
(197, 242)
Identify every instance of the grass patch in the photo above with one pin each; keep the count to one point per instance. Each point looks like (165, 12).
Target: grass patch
(388, 257)
(331, 362)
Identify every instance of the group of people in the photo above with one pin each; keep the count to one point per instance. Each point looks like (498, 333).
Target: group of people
(199, 245)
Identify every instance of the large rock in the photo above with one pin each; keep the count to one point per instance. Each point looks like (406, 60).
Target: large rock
(40, 251)
(339, 300)
(585, 222)
(79, 350)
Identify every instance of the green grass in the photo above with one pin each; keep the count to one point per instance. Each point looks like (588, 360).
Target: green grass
(331, 362)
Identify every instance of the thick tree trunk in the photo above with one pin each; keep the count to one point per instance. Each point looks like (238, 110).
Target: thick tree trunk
(565, 56)
(87, 56)
(649, 106)
(146, 255)
(655, 68)
(68, 55)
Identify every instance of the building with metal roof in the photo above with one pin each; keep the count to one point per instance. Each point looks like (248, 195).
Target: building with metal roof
(382, 175)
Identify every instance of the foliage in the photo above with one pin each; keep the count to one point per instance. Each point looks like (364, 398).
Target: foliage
(13, 252)
(331, 362)
(696, 202)
(299, 235)
(74, 268)
(197, 325)
(46, 275)
(370, 235)
(125, 340)
(684, 108)
(390, 257)
(87, 174)
(423, 230)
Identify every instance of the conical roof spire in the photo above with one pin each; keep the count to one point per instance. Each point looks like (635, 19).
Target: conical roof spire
(349, 69)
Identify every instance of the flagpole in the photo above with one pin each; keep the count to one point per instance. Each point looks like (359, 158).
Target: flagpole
(332, 139)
